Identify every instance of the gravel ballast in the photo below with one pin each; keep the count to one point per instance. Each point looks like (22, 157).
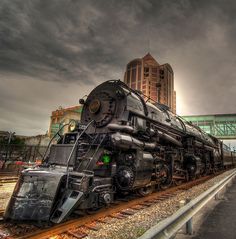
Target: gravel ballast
(135, 225)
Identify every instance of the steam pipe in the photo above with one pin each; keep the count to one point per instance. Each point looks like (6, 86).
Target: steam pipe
(124, 128)
(127, 141)
(169, 138)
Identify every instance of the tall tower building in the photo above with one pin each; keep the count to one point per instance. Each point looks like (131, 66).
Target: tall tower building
(155, 81)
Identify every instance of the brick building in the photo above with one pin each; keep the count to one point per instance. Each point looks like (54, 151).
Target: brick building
(155, 81)
(63, 116)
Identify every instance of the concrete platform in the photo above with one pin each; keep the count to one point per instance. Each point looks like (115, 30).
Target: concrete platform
(221, 221)
(217, 219)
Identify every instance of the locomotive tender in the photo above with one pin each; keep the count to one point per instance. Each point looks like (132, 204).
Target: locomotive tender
(123, 144)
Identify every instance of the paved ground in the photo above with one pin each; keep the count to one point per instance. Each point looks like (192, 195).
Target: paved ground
(221, 221)
(216, 220)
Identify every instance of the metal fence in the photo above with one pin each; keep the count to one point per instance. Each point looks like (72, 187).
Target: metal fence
(24, 153)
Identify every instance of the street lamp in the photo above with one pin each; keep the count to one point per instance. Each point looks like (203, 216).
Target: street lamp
(11, 134)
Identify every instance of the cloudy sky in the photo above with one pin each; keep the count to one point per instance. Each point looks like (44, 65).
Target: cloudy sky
(54, 52)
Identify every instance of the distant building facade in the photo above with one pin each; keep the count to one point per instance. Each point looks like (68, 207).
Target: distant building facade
(37, 140)
(63, 116)
(155, 81)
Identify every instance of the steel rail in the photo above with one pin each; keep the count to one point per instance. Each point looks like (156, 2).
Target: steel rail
(8, 179)
(170, 226)
(106, 212)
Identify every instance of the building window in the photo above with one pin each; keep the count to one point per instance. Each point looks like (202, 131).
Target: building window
(139, 85)
(146, 71)
(139, 73)
(162, 74)
(134, 74)
(154, 72)
(128, 77)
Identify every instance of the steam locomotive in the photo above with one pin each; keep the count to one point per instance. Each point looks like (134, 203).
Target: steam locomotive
(123, 144)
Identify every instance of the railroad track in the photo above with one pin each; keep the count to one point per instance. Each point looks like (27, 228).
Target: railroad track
(80, 227)
(120, 209)
(8, 180)
(8, 174)
(7, 185)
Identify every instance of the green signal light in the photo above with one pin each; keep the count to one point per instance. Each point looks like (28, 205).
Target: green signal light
(106, 159)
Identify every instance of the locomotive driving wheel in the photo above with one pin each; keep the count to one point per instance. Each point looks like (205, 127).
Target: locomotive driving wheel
(146, 190)
(92, 211)
(124, 178)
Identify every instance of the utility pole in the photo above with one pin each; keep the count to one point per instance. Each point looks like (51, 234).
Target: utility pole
(11, 134)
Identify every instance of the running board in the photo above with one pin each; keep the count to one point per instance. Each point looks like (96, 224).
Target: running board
(69, 201)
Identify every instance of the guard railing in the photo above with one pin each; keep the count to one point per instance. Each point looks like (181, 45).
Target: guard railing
(170, 226)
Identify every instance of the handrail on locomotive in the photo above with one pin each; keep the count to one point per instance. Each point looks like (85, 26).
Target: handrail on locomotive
(73, 149)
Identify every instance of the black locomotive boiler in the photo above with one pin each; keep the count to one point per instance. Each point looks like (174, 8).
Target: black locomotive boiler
(123, 144)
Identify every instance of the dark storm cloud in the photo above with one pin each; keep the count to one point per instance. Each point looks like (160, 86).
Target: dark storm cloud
(67, 47)
(63, 39)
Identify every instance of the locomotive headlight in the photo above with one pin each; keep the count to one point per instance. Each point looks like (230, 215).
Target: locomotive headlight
(72, 125)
